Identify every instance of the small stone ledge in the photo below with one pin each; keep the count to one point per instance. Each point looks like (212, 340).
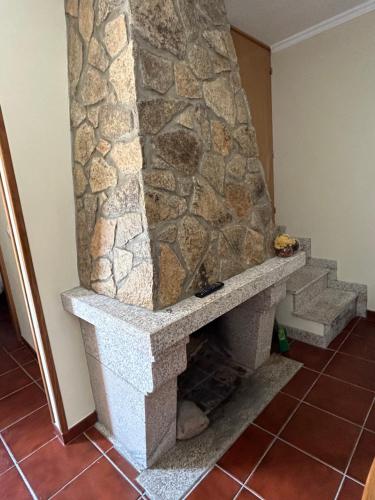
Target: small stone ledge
(155, 331)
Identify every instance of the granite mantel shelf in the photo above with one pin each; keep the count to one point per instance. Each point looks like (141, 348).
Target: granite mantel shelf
(160, 330)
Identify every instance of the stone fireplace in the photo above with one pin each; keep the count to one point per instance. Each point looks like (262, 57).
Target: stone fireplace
(170, 196)
(170, 192)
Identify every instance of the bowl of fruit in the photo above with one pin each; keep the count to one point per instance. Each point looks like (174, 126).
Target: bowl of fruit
(285, 245)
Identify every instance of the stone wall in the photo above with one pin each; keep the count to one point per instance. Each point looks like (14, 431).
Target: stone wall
(169, 188)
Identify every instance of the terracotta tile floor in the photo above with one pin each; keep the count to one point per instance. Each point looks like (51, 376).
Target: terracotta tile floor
(314, 441)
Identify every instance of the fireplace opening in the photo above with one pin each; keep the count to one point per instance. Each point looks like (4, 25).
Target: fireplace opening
(210, 379)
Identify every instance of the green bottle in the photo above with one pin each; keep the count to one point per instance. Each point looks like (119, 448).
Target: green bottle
(283, 339)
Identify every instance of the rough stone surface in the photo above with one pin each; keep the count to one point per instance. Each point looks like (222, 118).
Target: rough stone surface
(84, 143)
(115, 35)
(187, 85)
(160, 179)
(102, 175)
(192, 240)
(213, 169)
(158, 23)
(128, 227)
(207, 204)
(94, 87)
(123, 261)
(199, 61)
(221, 138)
(253, 248)
(171, 276)
(71, 7)
(157, 73)
(137, 288)
(75, 57)
(121, 75)
(128, 156)
(154, 114)
(219, 97)
(102, 269)
(115, 122)
(123, 199)
(239, 198)
(181, 149)
(103, 237)
(97, 56)
(80, 180)
(161, 206)
(163, 142)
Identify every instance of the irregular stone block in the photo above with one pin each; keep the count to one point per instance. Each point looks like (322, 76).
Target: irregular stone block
(115, 122)
(193, 240)
(221, 138)
(84, 143)
(97, 56)
(154, 114)
(216, 40)
(115, 35)
(160, 179)
(171, 276)
(199, 61)
(102, 175)
(93, 88)
(157, 73)
(86, 19)
(206, 203)
(238, 198)
(103, 238)
(121, 75)
(180, 149)
(218, 95)
(161, 206)
(102, 269)
(213, 169)
(128, 156)
(122, 264)
(123, 199)
(128, 227)
(158, 23)
(137, 288)
(187, 85)
(75, 57)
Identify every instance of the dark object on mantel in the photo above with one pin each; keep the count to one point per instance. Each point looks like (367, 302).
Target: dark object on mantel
(207, 290)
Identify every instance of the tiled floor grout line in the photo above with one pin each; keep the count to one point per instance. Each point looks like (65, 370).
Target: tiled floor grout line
(9, 371)
(333, 377)
(286, 423)
(112, 463)
(20, 471)
(7, 470)
(25, 371)
(279, 438)
(325, 411)
(354, 450)
(75, 477)
(240, 483)
(37, 449)
(17, 390)
(21, 418)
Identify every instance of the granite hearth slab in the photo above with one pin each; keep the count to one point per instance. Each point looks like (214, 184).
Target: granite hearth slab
(182, 467)
(157, 331)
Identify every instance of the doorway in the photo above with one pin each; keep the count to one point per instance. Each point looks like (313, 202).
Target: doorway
(24, 329)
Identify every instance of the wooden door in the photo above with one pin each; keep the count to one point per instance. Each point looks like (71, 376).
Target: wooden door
(255, 67)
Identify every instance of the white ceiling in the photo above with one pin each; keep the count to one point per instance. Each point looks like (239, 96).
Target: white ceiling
(272, 21)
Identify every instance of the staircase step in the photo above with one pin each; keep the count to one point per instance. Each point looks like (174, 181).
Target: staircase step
(304, 277)
(305, 285)
(328, 306)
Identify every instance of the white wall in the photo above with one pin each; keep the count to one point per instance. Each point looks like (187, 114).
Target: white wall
(34, 99)
(14, 277)
(324, 133)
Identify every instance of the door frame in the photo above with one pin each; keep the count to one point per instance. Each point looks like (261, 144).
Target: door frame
(9, 297)
(12, 204)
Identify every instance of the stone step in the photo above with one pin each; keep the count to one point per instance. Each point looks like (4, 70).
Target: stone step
(305, 285)
(322, 320)
(328, 306)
